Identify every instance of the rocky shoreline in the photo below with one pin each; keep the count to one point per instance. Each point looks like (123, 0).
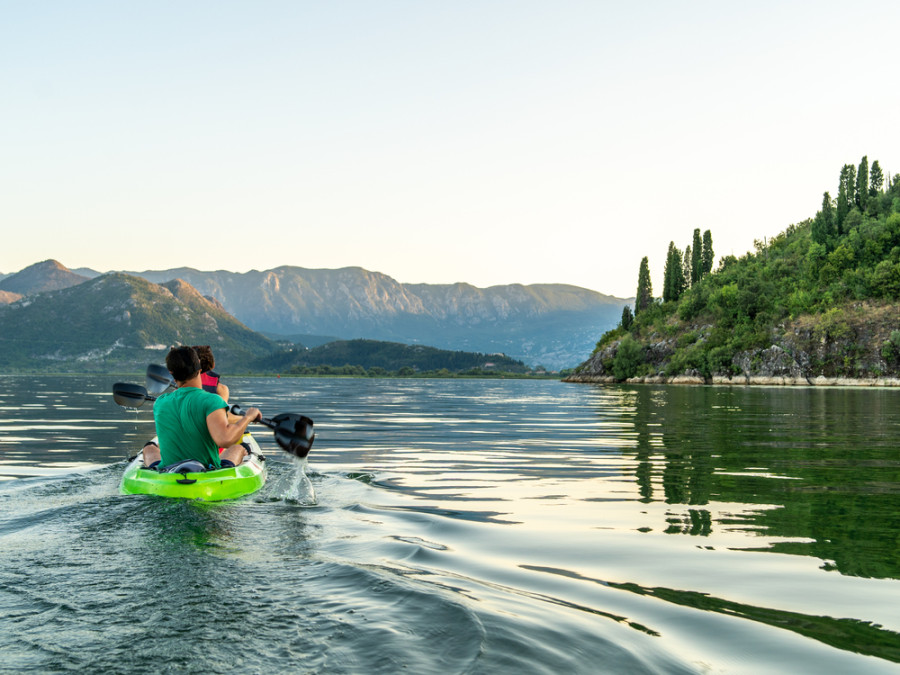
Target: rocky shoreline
(742, 380)
(859, 347)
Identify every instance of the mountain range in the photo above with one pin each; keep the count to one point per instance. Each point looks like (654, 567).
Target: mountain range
(117, 321)
(553, 325)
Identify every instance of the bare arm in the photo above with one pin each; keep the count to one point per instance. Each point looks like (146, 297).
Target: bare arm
(224, 434)
(222, 390)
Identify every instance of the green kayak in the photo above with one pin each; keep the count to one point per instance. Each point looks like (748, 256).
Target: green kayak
(210, 486)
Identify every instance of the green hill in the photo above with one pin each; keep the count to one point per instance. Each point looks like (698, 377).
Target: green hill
(49, 275)
(361, 357)
(820, 300)
(119, 322)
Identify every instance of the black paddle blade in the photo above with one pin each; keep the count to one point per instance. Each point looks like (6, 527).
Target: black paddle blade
(130, 395)
(158, 379)
(294, 433)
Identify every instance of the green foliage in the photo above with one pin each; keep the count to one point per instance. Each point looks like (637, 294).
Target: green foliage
(862, 184)
(673, 283)
(629, 357)
(686, 266)
(890, 351)
(696, 258)
(813, 269)
(708, 255)
(876, 179)
(644, 297)
(846, 186)
(372, 358)
(627, 318)
(609, 337)
(823, 231)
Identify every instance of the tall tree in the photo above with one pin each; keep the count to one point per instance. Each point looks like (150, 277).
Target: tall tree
(673, 282)
(627, 317)
(876, 179)
(696, 258)
(828, 212)
(686, 266)
(861, 195)
(845, 190)
(823, 224)
(644, 296)
(708, 255)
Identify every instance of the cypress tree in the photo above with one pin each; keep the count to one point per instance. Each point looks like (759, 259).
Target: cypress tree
(851, 186)
(708, 256)
(667, 295)
(843, 198)
(828, 212)
(644, 296)
(686, 266)
(823, 224)
(862, 184)
(627, 317)
(680, 283)
(673, 283)
(876, 179)
(696, 258)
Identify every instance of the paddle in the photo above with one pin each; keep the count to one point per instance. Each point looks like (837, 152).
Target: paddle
(159, 379)
(293, 433)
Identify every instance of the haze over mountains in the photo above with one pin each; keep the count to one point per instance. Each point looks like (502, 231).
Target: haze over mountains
(554, 325)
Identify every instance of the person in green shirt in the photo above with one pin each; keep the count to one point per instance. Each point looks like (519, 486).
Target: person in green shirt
(192, 423)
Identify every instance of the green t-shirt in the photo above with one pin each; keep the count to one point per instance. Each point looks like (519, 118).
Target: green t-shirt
(181, 429)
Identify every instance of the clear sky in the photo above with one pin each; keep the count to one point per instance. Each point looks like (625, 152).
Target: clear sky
(483, 141)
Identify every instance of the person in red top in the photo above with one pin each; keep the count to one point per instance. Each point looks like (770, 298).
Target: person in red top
(209, 377)
(193, 416)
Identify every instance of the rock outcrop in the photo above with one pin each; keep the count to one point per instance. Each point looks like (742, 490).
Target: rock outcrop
(859, 346)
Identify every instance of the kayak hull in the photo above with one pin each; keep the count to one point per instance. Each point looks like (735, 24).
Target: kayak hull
(209, 486)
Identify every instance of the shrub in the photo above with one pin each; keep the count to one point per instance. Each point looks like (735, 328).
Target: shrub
(628, 357)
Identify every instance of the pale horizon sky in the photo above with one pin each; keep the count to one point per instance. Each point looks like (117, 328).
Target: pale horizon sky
(487, 142)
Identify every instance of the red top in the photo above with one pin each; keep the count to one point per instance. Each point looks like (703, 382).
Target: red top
(209, 380)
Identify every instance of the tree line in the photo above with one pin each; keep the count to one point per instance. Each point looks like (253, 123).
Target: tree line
(683, 270)
(858, 188)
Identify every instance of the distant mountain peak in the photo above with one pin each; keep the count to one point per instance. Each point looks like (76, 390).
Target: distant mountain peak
(48, 275)
(51, 263)
(185, 292)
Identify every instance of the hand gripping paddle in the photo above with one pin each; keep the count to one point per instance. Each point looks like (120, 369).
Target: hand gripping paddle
(293, 433)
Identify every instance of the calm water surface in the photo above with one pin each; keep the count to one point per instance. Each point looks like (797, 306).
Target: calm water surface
(463, 527)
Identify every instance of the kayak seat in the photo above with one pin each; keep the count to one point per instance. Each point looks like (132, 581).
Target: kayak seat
(184, 466)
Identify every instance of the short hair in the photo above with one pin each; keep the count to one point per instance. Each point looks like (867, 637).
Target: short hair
(207, 360)
(183, 363)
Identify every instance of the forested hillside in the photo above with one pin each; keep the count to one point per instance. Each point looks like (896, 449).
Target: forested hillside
(377, 358)
(819, 300)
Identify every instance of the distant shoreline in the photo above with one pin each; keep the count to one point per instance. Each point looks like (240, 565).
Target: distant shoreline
(451, 376)
(743, 381)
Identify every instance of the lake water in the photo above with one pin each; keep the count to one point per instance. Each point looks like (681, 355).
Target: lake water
(463, 526)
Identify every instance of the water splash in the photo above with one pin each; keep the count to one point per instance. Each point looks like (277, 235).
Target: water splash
(294, 485)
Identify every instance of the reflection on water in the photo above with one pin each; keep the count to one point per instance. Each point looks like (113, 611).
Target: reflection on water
(818, 468)
(464, 526)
